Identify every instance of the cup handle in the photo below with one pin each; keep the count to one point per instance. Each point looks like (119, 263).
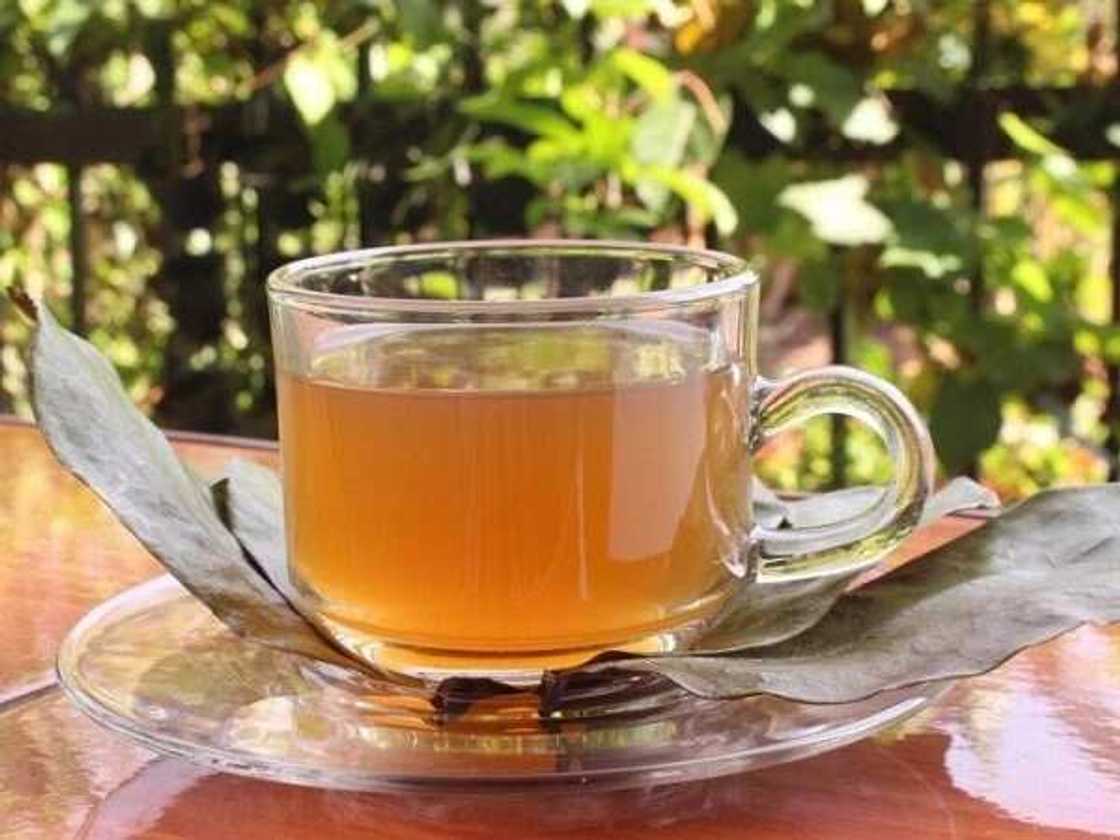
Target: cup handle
(855, 543)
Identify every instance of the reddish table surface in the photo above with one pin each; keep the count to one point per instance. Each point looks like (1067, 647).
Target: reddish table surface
(1032, 750)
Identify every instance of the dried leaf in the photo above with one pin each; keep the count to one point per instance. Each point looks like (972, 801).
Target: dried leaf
(1040, 570)
(253, 511)
(769, 509)
(958, 495)
(454, 696)
(825, 508)
(95, 431)
(766, 615)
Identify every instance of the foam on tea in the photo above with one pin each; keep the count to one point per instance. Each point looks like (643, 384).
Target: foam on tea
(513, 496)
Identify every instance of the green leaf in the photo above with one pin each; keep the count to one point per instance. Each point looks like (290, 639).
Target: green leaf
(922, 226)
(660, 136)
(630, 9)
(792, 236)
(781, 123)
(838, 211)
(576, 8)
(1029, 276)
(330, 145)
(646, 72)
(310, 87)
(1079, 207)
(337, 62)
(317, 77)
(836, 90)
(753, 187)
(606, 139)
(155, 9)
(533, 119)
(1040, 570)
(564, 163)
(1028, 139)
(581, 101)
(964, 421)
(700, 193)
(66, 20)
(1112, 134)
(870, 121)
(706, 142)
(422, 20)
(819, 283)
(605, 223)
(441, 285)
(500, 160)
(932, 239)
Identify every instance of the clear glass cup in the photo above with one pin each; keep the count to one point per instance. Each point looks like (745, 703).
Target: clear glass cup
(511, 455)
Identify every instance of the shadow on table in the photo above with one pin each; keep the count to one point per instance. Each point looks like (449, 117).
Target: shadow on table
(866, 790)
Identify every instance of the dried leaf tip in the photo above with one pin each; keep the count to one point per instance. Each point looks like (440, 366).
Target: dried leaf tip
(23, 301)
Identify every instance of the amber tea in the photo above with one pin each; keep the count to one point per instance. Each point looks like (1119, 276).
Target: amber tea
(516, 496)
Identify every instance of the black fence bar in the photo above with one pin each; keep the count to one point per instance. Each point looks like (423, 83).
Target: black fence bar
(79, 254)
(838, 341)
(976, 140)
(979, 136)
(92, 135)
(1112, 407)
(136, 135)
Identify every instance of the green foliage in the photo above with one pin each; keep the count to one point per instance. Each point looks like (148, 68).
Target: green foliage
(618, 135)
(965, 419)
(362, 120)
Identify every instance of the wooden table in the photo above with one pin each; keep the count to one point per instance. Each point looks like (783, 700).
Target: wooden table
(1032, 750)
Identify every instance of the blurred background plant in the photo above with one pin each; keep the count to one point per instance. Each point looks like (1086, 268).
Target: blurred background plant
(206, 141)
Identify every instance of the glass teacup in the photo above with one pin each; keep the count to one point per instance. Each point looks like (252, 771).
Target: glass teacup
(507, 456)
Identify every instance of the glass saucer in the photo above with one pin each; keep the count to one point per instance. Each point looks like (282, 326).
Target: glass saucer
(153, 664)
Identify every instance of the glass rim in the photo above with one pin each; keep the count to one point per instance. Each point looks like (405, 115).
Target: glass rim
(732, 275)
